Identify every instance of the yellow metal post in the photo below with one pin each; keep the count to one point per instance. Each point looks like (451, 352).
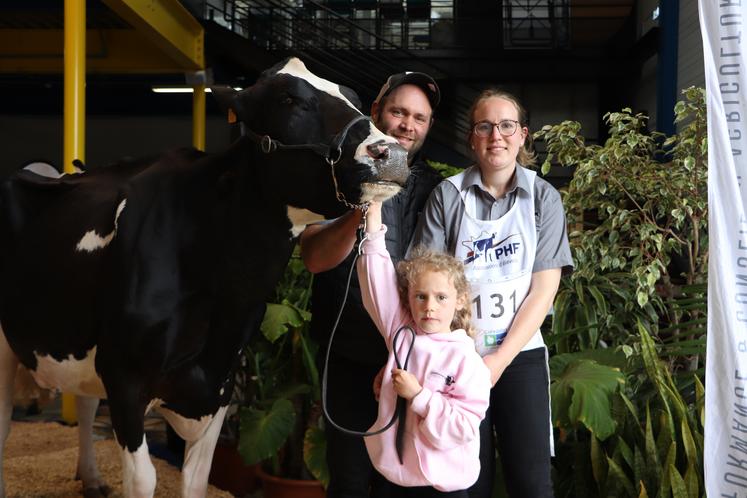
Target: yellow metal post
(74, 115)
(198, 117)
(75, 83)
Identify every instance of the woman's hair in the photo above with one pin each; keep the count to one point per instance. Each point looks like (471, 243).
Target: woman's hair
(423, 260)
(526, 156)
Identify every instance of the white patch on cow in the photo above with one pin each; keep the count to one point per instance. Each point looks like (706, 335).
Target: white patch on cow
(92, 240)
(299, 218)
(69, 375)
(222, 390)
(188, 429)
(47, 170)
(43, 169)
(138, 473)
(378, 191)
(201, 436)
(296, 68)
(375, 136)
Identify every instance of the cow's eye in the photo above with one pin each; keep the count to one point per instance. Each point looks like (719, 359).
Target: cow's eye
(287, 101)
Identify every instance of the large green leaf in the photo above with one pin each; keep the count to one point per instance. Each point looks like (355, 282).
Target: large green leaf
(279, 317)
(264, 432)
(582, 394)
(604, 356)
(315, 454)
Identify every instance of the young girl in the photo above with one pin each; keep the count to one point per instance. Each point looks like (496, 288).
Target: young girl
(446, 385)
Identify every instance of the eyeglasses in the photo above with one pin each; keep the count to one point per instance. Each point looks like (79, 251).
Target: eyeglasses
(506, 127)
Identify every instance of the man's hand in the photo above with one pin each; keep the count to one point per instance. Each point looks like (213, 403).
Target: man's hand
(405, 384)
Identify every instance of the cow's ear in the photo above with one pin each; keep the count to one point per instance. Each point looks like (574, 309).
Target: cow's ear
(226, 97)
(350, 94)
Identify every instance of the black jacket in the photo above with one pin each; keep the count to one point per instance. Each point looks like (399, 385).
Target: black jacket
(356, 337)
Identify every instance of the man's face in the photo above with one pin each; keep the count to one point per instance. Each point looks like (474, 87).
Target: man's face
(404, 114)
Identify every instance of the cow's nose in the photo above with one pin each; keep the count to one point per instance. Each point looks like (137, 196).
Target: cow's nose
(378, 150)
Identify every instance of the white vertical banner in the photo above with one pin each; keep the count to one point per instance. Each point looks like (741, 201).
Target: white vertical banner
(722, 24)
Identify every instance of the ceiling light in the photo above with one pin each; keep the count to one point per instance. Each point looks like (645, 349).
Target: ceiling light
(181, 89)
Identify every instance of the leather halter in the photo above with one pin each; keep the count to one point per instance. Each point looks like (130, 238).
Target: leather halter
(332, 152)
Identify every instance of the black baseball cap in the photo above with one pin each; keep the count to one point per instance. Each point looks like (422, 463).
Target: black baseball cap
(421, 80)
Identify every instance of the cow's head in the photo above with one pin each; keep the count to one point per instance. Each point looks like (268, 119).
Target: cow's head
(345, 156)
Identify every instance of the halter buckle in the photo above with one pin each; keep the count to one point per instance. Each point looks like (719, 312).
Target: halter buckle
(332, 161)
(267, 144)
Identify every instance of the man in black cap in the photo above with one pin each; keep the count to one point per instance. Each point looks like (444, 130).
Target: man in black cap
(403, 109)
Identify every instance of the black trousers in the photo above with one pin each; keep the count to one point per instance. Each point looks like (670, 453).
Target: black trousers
(351, 404)
(424, 492)
(519, 416)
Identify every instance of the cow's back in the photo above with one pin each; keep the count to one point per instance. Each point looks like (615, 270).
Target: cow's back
(55, 234)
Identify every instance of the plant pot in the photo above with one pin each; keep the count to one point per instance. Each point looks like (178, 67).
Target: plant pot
(280, 487)
(230, 473)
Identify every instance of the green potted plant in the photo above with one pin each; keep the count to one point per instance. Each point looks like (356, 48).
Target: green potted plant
(280, 417)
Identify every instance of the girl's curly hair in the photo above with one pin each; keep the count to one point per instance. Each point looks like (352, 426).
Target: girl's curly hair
(423, 260)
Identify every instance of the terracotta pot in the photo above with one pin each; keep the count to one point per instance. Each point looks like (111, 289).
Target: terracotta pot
(280, 487)
(229, 472)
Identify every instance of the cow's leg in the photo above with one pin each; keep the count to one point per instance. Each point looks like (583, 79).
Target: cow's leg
(201, 437)
(128, 418)
(138, 472)
(93, 486)
(8, 365)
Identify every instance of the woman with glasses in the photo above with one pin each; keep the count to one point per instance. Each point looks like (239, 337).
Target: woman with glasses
(507, 225)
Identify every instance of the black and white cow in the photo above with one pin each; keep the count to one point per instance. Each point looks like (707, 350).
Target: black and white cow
(141, 282)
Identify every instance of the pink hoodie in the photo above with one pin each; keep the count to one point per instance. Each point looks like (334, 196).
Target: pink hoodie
(442, 437)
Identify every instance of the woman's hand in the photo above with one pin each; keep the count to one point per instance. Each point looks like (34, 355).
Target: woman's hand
(405, 383)
(496, 365)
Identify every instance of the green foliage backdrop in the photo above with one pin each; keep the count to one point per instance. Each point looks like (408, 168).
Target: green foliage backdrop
(628, 331)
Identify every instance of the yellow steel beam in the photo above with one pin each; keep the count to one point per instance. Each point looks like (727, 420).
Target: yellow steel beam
(74, 117)
(74, 83)
(198, 117)
(109, 51)
(167, 24)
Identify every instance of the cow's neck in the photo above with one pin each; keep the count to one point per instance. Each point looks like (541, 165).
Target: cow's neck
(311, 187)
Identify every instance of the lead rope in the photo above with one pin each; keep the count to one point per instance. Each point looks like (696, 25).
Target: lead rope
(401, 407)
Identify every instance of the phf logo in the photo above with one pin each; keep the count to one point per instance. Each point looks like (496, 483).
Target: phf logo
(487, 249)
(493, 338)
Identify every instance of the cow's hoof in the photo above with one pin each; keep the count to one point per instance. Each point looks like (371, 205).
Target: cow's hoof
(97, 491)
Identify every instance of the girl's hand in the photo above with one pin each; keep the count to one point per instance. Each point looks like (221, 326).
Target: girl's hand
(377, 383)
(373, 217)
(405, 383)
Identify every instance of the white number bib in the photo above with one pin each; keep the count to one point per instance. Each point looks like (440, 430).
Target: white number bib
(498, 257)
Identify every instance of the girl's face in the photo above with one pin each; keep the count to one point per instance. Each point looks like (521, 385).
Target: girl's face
(497, 151)
(433, 301)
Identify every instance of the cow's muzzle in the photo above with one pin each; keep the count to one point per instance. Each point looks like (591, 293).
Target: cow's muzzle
(391, 171)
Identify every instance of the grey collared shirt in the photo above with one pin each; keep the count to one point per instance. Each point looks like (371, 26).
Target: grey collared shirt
(439, 223)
